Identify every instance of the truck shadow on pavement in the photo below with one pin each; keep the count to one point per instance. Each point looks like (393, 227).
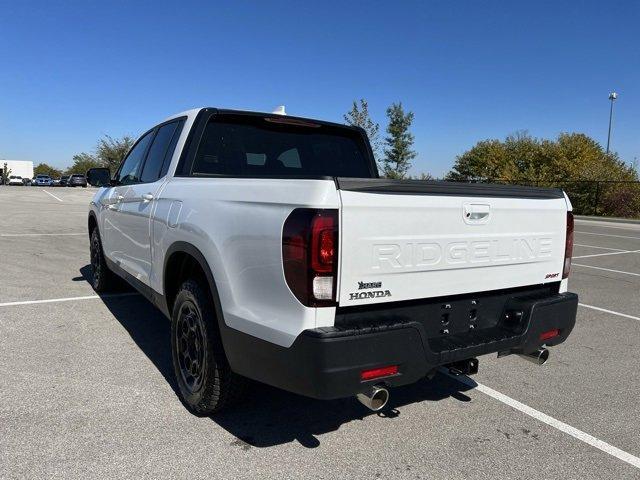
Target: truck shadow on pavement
(269, 416)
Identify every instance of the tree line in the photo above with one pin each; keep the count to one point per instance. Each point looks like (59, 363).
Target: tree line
(109, 152)
(597, 182)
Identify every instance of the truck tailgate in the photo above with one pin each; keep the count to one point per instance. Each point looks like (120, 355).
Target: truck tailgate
(405, 240)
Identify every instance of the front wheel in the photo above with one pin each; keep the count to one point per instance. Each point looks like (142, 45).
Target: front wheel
(205, 380)
(102, 279)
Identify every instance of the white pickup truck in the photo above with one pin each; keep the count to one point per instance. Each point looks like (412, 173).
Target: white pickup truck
(279, 255)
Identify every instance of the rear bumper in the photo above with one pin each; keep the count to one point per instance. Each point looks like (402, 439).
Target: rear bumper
(326, 363)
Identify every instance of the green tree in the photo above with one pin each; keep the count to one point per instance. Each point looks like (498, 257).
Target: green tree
(110, 151)
(44, 169)
(398, 152)
(572, 161)
(6, 171)
(359, 116)
(521, 158)
(83, 162)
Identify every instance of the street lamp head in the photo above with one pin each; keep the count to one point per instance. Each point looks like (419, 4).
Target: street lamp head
(613, 96)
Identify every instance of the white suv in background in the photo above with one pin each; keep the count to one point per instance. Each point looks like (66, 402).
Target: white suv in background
(15, 180)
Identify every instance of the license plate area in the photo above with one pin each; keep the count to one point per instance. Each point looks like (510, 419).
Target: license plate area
(484, 314)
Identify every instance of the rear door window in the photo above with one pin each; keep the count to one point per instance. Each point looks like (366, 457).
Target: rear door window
(161, 151)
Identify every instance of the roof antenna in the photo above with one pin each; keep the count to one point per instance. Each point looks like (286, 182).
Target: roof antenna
(279, 110)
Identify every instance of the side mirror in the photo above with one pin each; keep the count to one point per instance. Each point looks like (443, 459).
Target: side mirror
(99, 177)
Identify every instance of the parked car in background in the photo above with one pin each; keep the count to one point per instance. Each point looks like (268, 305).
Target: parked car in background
(43, 181)
(56, 182)
(64, 179)
(26, 182)
(77, 180)
(15, 180)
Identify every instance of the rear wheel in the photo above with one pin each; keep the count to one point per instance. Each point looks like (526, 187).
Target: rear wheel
(102, 279)
(205, 380)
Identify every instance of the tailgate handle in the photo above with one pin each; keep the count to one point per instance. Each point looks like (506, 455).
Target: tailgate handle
(476, 212)
(478, 215)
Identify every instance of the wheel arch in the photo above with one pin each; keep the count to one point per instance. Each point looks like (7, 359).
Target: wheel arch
(180, 260)
(92, 222)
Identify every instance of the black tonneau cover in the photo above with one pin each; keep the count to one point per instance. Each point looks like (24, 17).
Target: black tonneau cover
(437, 187)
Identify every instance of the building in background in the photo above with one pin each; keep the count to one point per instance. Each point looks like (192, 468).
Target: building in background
(20, 168)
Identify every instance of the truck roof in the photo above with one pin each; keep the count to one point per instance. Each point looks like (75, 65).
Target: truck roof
(228, 111)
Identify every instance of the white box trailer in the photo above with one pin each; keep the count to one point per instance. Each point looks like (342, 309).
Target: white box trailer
(21, 168)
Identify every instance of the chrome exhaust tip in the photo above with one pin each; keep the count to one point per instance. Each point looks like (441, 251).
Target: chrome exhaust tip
(375, 399)
(538, 357)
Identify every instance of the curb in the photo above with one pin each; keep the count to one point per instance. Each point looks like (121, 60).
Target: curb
(608, 219)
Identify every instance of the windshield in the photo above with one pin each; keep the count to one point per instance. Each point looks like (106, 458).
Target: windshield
(281, 147)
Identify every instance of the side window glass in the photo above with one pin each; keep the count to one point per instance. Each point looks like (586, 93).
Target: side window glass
(129, 170)
(172, 148)
(158, 152)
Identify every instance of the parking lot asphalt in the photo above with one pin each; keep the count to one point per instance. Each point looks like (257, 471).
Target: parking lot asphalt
(87, 389)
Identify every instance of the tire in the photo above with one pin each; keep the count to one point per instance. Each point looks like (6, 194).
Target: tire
(102, 279)
(205, 381)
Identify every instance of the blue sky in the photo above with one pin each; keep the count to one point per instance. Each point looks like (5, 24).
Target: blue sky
(469, 70)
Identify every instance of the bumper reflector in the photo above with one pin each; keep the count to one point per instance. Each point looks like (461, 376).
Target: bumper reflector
(550, 334)
(379, 372)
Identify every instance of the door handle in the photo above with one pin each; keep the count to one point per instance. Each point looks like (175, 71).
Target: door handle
(119, 198)
(147, 197)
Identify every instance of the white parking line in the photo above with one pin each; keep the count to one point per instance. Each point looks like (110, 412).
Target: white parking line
(605, 269)
(555, 423)
(68, 299)
(610, 253)
(39, 234)
(607, 235)
(601, 248)
(609, 311)
(49, 193)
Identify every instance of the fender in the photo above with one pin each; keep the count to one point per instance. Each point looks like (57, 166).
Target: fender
(184, 247)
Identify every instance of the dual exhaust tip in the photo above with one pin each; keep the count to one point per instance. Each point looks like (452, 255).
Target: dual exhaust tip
(539, 357)
(378, 396)
(375, 399)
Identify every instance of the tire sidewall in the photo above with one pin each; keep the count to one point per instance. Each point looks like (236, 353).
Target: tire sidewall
(191, 292)
(97, 281)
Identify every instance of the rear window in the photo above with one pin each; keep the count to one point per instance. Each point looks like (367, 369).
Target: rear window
(242, 145)
(77, 176)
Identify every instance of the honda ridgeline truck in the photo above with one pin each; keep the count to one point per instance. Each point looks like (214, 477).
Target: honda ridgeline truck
(278, 254)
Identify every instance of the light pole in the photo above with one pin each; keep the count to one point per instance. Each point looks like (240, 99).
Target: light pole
(612, 96)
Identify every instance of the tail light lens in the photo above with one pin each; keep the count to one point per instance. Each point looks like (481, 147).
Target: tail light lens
(568, 246)
(310, 255)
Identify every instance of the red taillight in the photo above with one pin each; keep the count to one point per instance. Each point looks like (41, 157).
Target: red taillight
(379, 372)
(322, 243)
(568, 246)
(550, 334)
(309, 255)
